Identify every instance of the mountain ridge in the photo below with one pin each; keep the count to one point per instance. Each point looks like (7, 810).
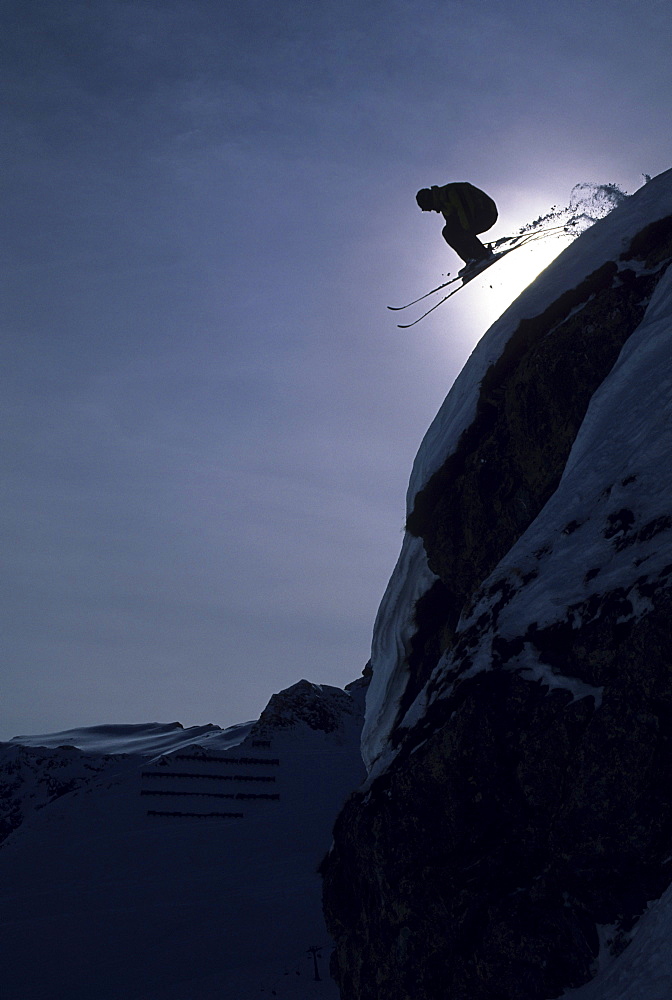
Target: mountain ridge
(183, 863)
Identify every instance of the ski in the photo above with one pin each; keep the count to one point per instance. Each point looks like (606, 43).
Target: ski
(518, 240)
(514, 243)
(406, 326)
(426, 295)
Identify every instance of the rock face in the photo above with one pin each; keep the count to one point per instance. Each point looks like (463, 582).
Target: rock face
(519, 721)
(318, 706)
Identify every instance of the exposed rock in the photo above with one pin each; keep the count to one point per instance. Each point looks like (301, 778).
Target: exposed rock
(318, 706)
(525, 818)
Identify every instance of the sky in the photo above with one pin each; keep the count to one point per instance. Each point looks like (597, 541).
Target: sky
(208, 415)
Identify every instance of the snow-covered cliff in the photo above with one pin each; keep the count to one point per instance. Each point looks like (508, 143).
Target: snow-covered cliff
(605, 242)
(517, 728)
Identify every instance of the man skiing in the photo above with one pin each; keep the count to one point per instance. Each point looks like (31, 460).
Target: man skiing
(467, 211)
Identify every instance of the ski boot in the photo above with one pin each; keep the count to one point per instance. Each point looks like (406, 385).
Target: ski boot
(476, 264)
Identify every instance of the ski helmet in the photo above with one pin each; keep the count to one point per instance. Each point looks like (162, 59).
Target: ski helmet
(425, 199)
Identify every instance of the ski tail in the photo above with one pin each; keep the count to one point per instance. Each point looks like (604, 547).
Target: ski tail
(438, 288)
(406, 326)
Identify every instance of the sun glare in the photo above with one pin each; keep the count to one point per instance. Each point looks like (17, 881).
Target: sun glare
(501, 284)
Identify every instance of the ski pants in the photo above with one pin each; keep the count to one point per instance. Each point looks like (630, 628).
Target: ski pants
(465, 242)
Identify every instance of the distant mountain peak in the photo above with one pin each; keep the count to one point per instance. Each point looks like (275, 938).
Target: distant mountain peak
(318, 706)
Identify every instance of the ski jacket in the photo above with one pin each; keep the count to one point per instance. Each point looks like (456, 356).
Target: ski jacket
(475, 210)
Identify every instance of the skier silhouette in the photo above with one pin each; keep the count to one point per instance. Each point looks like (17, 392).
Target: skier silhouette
(467, 211)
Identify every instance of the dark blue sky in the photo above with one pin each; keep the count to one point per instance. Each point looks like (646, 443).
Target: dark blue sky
(208, 415)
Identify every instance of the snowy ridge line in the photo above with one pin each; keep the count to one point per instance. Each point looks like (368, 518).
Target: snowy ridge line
(142, 739)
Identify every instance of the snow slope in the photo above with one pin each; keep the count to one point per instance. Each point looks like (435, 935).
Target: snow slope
(191, 873)
(644, 970)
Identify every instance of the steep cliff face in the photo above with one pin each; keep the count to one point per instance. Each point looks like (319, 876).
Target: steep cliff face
(519, 717)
